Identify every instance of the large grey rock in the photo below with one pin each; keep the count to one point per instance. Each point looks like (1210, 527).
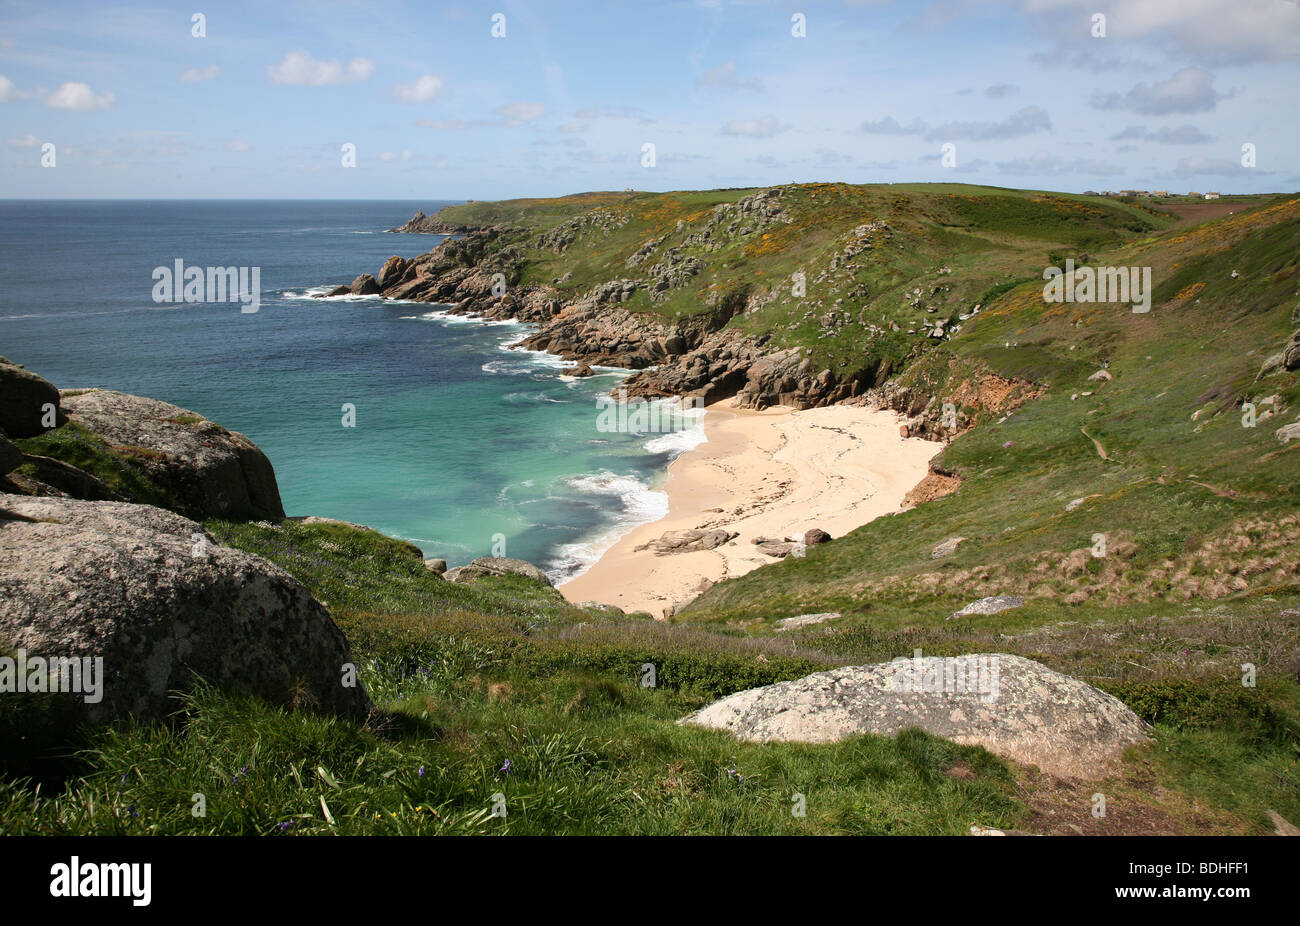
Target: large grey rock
(206, 471)
(23, 400)
(989, 606)
(159, 599)
(946, 548)
(1010, 705)
(504, 566)
(804, 620)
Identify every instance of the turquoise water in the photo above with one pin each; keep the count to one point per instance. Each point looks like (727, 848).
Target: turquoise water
(460, 445)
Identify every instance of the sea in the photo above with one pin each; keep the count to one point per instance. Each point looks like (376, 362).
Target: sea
(425, 426)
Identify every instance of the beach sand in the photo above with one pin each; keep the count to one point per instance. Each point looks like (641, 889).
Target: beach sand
(774, 473)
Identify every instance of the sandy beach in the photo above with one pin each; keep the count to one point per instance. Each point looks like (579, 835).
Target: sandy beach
(772, 474)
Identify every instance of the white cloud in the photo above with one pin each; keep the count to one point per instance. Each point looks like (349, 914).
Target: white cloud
(238, 144)
(452, 125)
(423, 90)
(891, 126)
(1025, 121)
(27, 141)
(1043, 164)
(8, 92)
(300, 68)
(1237, 30)
(390, 156)
(723, 77)
(765, 127)
(1219, 167)
(1183, 135)
(520, 113)
(196, 74)
(1191, 90)
(78, 96)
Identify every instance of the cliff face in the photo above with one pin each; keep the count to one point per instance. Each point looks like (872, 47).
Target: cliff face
(698, 356)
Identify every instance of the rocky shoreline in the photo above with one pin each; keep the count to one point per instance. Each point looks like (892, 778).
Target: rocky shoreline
(700, 357)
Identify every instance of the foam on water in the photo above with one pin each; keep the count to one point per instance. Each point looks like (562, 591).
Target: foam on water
(640, 505)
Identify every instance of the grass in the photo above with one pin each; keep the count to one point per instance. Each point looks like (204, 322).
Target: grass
(87, 451)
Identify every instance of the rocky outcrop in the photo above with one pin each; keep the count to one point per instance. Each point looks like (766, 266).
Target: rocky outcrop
(1010, 705)
(698, 357)
(991, 605)
(421, 224)
(946, 548)
(159, 600)
(815, 535)
(26, 401)
(496, 566)
(205, 470)
(805, 620)
(364, 285)
(688, 541)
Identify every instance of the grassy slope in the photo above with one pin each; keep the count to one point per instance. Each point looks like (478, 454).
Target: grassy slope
(469, 677)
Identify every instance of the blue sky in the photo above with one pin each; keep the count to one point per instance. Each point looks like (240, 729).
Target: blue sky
(438, 108)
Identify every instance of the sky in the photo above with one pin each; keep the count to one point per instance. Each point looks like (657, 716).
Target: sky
(503, 99)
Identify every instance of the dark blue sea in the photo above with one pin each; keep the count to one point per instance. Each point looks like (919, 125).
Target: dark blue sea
(459, 443)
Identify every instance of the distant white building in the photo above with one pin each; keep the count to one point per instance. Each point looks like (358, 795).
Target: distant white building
(1211, 195)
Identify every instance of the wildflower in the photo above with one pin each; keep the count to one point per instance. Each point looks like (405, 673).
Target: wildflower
(284, 826)
(506, 768)
(421, 773)
(131, 810)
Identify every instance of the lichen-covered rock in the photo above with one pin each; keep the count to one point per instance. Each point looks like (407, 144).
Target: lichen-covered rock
(989, 606)
(804, 620)
(1010, 705)
(505, 566)
(159, 600)
(487, 566)
(946, 548)
(24, 401)
(205, 470)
